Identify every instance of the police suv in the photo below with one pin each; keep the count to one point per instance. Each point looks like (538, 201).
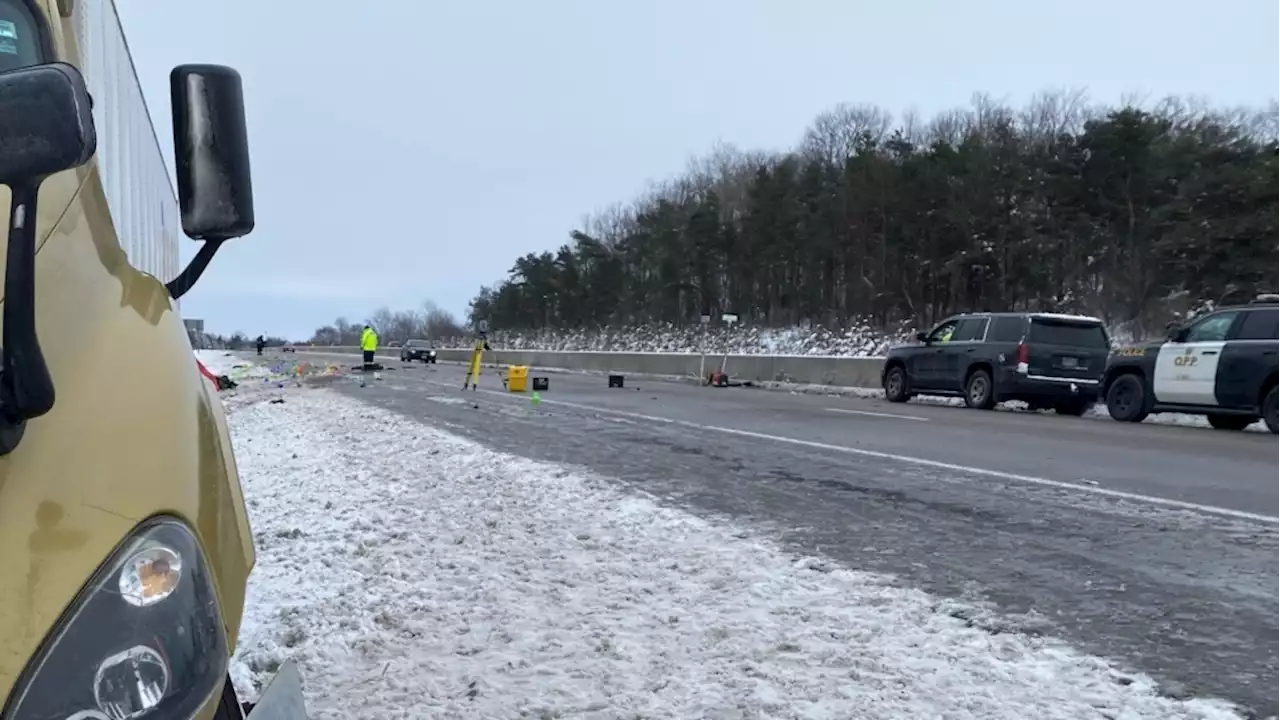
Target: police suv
(1222, 365)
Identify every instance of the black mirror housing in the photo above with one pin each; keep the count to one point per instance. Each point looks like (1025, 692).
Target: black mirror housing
(211, 152)
(46, 122)
(922, 337)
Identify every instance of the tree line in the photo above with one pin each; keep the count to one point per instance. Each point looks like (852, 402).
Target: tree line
(1132, 214)
(428, 322)
(235, 341)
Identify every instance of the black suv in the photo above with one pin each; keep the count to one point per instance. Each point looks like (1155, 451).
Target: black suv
(1222, 365)
(1043, 359)
(417, 350)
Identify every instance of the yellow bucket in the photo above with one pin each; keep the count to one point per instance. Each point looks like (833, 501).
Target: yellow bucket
(517, 378)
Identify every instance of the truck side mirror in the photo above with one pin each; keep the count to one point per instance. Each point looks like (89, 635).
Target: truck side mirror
(211, 152)
(46, 126)
(46, 123)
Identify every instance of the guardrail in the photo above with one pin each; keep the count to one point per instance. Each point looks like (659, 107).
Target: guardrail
(802, 369)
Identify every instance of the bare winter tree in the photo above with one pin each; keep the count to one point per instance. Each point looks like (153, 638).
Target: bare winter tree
(381, 320)
(1053, 113)
(428, 322)
(950, 126)
(839, 132)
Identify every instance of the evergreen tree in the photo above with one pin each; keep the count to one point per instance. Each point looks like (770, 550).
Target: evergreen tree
(1130, 214)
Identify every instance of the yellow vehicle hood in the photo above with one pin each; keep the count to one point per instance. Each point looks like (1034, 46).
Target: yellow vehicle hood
(135, 432)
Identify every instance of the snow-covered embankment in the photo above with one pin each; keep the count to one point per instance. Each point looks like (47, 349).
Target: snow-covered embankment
(415, 574)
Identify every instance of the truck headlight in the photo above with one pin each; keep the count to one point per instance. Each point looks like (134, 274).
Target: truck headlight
(143, 639)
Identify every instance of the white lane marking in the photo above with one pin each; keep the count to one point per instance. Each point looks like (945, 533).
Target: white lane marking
(923, 462)
(846, 411)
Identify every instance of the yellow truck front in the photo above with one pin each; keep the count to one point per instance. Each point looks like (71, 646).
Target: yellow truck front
(124, 543)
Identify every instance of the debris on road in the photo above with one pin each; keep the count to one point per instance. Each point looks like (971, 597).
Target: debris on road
(720, 379)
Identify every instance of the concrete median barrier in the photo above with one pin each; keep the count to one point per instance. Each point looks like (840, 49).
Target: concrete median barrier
(802, 369)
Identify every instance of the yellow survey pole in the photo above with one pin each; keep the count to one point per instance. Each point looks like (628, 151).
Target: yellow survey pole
(477, 355)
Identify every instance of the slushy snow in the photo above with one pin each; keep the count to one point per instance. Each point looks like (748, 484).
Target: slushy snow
(414, 574)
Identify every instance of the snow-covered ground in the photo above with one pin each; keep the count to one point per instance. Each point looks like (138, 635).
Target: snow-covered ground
(220, 362)
(415, 574)
(256, 381)
(860, 340)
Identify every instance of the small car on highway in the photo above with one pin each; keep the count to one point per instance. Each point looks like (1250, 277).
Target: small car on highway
(417, 350)
(1222, 364)
(1046, 360)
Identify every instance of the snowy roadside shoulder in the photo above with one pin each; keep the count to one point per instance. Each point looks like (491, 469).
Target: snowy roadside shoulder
(261, 378)
(223, 362)
(412, 573)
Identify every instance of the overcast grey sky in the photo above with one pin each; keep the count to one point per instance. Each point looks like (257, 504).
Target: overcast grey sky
(410, 149)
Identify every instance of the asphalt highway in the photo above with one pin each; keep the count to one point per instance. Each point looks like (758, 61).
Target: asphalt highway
(1153, 545)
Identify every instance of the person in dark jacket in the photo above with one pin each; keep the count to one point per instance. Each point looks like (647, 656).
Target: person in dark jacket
(261, 343)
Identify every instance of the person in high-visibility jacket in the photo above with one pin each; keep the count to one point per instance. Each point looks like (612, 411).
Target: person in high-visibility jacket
(368, 344)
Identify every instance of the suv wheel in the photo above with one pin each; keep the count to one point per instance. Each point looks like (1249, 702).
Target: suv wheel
(895, 385)
(1127, 399)
(1230, 422)
(1269, 410)
(979, 391)
(1074, 408)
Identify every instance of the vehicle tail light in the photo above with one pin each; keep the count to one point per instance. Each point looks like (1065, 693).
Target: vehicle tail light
(1024, 356)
